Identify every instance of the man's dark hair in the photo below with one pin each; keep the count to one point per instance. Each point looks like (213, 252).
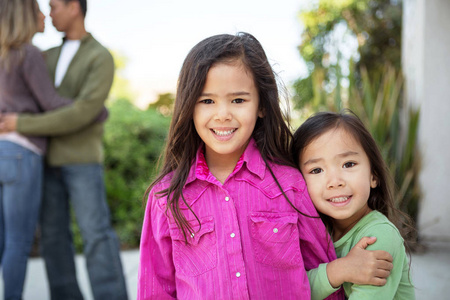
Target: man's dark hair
(83, 5)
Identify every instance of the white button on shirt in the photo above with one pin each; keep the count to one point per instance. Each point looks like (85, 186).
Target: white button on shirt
(275, 230)
(233, 235)
(227, 198)
(238, 274)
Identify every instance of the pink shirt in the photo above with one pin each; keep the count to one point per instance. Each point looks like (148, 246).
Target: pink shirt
(251, 244)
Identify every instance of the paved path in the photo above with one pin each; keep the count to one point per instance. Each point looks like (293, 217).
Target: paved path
(430, 271)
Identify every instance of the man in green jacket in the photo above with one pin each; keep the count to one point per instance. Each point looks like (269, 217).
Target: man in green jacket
(83, 70)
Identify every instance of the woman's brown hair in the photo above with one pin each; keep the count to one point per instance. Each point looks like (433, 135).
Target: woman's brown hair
(18, 24)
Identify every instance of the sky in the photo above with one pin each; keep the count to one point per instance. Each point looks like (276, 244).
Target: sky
(156, 35)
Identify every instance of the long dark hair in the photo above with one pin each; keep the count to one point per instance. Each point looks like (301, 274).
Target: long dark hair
(381, 197)
(271, 133)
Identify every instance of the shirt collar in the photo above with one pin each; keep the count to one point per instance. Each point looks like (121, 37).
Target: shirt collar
(85, 38)
(251, 158)
(254, 161)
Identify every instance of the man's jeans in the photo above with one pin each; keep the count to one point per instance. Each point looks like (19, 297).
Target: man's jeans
(81, 187)
(20, 198)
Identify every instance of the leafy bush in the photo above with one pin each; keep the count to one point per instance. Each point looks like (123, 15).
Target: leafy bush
(367, 32)
(380, 104)
(133, 142)
(394, 125)
(367, 79)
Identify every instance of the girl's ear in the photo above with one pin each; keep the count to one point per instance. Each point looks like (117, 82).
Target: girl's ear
(373, 181)
(261, 113)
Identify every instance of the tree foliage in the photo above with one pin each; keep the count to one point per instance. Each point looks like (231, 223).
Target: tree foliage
(164, 104)
(366, 78)
(336, 32)
(120, 87)
(133, 141)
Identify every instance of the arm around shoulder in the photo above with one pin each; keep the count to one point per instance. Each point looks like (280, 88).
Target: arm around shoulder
(86, 106)
(317, 249)
(36, 76)
(320, 285)
(361, 266)
(388, 239)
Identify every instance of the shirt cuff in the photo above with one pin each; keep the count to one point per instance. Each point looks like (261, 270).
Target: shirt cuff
(321, 288)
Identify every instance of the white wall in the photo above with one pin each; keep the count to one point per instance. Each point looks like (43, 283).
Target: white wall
(426, 64)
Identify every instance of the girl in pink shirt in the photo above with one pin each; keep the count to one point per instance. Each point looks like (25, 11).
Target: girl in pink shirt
(229, 216)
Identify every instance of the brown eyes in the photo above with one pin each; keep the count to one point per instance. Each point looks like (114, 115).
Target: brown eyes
(349, 165)
(316, 171)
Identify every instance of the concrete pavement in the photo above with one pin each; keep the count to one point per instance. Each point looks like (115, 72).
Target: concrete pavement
(430, 272)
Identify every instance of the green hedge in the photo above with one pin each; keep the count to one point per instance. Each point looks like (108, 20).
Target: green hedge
(133, 142)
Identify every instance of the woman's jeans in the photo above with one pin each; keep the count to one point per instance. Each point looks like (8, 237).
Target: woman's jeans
(80, 187)
(20, 198)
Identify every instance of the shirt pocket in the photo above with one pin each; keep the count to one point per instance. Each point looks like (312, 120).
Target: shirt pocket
(275, 239)
(199, 254)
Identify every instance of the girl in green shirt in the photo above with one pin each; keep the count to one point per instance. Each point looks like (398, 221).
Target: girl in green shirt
(350, 186)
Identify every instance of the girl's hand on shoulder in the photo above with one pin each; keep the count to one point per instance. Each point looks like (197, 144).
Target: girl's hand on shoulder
(361, 266)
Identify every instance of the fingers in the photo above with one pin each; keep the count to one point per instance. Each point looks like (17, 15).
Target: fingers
(382, 255)
(8, 122)
(378, 281)
(380, 277)
(378, 268)
(376, 264)
(384, 265)
(377, 276)
(366, 241)
(3, 127)
(368, 266)
(382, 273)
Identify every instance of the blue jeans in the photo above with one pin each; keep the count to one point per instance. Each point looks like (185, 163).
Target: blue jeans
(20, 198)
(82, 187)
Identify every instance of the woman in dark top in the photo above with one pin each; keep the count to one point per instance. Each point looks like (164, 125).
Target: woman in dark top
(25, 87)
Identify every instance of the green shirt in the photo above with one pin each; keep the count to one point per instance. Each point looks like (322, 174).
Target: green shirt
(320, 285)
(399, 284)
(75, 136)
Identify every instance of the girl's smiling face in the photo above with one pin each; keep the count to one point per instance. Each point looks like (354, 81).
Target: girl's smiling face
(226, 112)
(338, 174)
